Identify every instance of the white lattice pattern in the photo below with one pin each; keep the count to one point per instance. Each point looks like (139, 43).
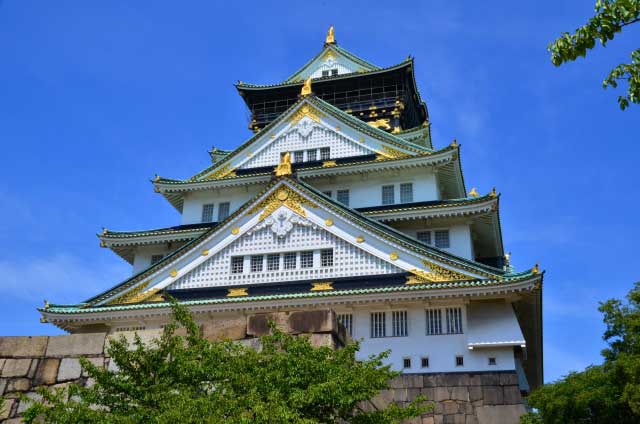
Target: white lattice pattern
(343, 66)
(305, 135)
(348, 260)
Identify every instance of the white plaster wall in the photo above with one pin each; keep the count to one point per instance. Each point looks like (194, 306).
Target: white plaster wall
(142, 257)
(441, 349)
(236, 196)
(460, 242)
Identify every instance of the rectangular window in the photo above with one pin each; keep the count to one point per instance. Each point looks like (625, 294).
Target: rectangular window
(342, 196)
(434, 322)
(237, 265)
(424, 236)
(298, 156)
(256, 263)
(406, 363)
(312, 155)
(388, 197)
(327, 193)
(156, 258)
(442, 238)
(406, 193)
(325, 153)
(454, 320)
(459, 361)
(223, 211)
(290, 260)
(326, 257)
(424, 362)
(273, 262)
(334, 72)
(347, 322)
(207, 212)
(399, 323)
(325, 73)
(306, 259)
(492, 361)
(378, 327)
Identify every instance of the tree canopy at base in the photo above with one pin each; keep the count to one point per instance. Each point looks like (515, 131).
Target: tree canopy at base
(188, 379)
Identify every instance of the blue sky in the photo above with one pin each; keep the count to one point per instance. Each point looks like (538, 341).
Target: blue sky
(97, 97)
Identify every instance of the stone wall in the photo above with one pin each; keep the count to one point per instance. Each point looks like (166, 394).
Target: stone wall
(30, 362)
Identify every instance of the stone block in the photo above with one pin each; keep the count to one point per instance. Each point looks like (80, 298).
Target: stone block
(16, 367)
(70, 369)
(5, 409)
(455, 379)
(396, 382)
(508, 379)
(490, 379)
(1, 363)
(19, 385)
(428, 392)
(258, 325)
(500, 414)
(512, 395)
(382, 399)
(146, 336)
(98, 362)
(33, 367)
(428, 420)
(471, 419)
(413, 381)
(460, 393)
(25, 403)
(400, 395)
(438, 419)
(17, 346)
(252, 343)
(430, 380)
(492, 395)
(223, 329)
(3, 385)
(450, 407)
(322, 340)
(321, 321)
(46, 372)
(459, 419)
(76, 345)
(475, 393)
(412, 394)
(441, 393)
(13, 421)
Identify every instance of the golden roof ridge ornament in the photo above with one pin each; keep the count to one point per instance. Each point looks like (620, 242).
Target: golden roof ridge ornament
(473, 192)
(331, 36)
(306, 88)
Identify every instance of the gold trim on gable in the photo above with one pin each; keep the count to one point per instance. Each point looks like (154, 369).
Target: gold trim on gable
(305, 110)
(284, 196)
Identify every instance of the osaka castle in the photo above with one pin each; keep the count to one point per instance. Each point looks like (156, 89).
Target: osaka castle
(338, 199)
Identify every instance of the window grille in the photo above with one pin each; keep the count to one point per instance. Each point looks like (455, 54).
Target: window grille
(347, 321)
(327, 193)
(223, 211)
(442, 239)
(325, 73)
(424, 362)
(424, 236)
(378, 327)
(256, 263)
(334, 72)
(406, 193)
(298, 156)
(325, 153)
(156, 258)
(434, 322)
(312, 155)
(406, 362)
(454, 320)
(388, 197)
(492, 361)
(290, 260)
(459, 361)
(207, 212)
(342, 196)
(399, 323)
(273, 262)
(306, 259)
(237, 265)
(326, 257)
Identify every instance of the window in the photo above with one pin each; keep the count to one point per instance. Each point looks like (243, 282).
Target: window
(399, 323)
(256, 263)
(306, 259)
(424, 236)
(343, 197)
(326, 257)
(434, 322)
(207, 212)
(312, 155)
(378, 320)
(406, 193)
(424, 362)
(237, 265)
(406, 362)
(325, 73)
(327, 193)
(347, 322)
(459, 361)
(325, 153)
(290, 260)
(334, 72)
(442, 238)
(388, 198)
(223, 211)
(156, 258)
(454, 320)
(298, 156)
(492, 361)
(273, 262)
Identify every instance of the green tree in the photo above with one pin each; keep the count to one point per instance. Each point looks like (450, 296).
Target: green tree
(611, 16)
(607, 393)
(187, 379)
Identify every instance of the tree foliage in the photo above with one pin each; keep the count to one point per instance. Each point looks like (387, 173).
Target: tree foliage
(610, 17)
(607, 393)
(188, 379)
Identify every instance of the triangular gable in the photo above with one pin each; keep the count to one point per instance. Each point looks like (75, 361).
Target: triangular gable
(392, 250)
(331, 57)
(311, 123)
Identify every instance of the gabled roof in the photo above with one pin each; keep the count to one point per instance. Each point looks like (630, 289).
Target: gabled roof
(337, 50)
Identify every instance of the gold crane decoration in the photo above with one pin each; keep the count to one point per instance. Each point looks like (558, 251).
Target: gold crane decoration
(284, 167)
(331, 38)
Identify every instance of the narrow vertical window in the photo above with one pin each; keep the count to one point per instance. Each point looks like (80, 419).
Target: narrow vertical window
(325, 153)
(492, 361)
(325, 73)
(424, 362)
(256, 263)
(459, 361)
(290, 260)
(342, 196)
(424, 236)
(347, 322)
(334, 72)
(406, 363)
(207, 212)
(237, 265)
(378, 325)
(312, 155)
(273, 262)
(406, 193)
(388, 197)
(442, 239)
(434, 322)
(399, 323)
(298, 156)
(454, 320)
(326, 257)
(156, 258)
(223, 211)
(306, 259)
